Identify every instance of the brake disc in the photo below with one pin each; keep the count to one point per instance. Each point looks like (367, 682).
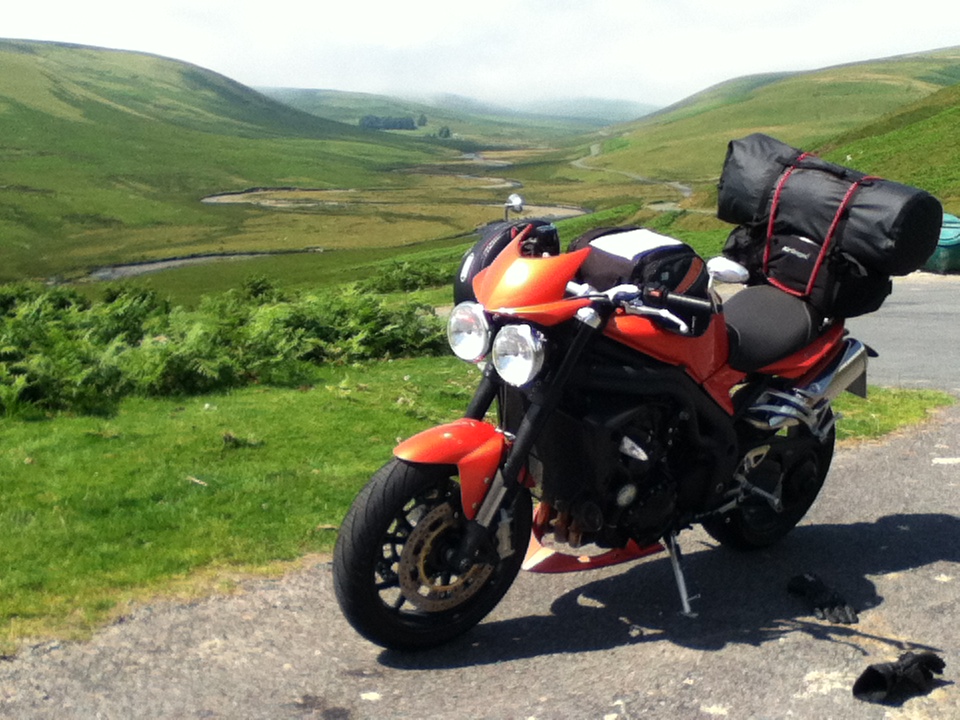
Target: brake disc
(425, 579)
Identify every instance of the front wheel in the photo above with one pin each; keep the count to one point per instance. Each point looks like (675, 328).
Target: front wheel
(796, 473)
(392, 565)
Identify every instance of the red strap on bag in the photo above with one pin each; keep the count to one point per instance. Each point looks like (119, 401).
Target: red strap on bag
(828, 238)
(775, 205)
(832, 231)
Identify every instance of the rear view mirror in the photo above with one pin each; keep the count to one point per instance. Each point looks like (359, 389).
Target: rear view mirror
(514, 203)
(723, 269)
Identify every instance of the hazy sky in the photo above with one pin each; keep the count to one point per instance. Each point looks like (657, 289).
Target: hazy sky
(651, 51)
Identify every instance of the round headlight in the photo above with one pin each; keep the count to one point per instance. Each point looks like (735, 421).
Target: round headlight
(518, 353)
(468, 332)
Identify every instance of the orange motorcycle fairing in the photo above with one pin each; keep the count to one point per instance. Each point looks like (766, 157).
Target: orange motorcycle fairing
(547, 314)
(802, 362)
(541, 558)
(474, 446)
(701, 355)
(513, 280)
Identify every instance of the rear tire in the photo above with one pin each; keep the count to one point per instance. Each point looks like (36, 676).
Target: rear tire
(755, 524)
(390, 572)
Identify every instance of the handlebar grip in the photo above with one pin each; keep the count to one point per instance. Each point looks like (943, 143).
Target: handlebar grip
(657, 297)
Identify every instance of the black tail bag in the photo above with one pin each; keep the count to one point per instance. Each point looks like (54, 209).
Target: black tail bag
(887, 227)
(819, 230)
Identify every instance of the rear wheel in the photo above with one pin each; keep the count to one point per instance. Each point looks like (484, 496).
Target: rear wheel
(796, 472)
(392, 567)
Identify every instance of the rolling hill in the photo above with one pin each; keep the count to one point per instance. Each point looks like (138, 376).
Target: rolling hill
(918, 144)
(106, 155)
(687, 141)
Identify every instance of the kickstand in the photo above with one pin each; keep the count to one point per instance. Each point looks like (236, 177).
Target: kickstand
(676, 560)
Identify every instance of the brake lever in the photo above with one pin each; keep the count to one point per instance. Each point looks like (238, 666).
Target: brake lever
(639, 309)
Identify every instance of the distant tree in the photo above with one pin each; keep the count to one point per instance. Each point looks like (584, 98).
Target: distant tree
(375, 122)
(422, 120)
(443, 132)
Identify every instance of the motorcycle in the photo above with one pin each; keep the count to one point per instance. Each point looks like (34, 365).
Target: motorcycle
(606, 422)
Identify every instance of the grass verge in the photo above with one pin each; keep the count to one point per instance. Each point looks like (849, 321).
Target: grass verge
(886, 410)
(98, 512)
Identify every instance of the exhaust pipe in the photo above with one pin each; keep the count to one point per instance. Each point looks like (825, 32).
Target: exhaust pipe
(847, 372)
(810, 403)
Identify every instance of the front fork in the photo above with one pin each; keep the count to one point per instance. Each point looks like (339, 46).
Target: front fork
(492, 464)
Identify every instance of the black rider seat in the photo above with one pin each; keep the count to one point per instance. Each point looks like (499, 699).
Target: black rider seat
(766, 324)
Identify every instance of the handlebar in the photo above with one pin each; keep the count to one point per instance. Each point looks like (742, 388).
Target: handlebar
(685, 312)
(657, 302)
(656, 297)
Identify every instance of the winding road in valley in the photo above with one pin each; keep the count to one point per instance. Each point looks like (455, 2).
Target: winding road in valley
(583, 164)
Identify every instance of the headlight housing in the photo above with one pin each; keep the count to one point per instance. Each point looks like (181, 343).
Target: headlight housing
(468, 332)
(518, 354)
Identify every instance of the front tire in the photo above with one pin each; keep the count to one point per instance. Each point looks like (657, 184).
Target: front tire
(391, 570)
(801, 472)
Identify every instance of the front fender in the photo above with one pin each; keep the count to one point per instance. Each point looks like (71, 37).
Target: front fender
(475, 447)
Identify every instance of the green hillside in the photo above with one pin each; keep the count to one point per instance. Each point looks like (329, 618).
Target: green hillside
(107, 154)
(66, 80)
(687, 141)
(918, 144)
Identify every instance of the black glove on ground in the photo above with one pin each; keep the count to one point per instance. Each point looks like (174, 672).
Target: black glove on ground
(826, 602)
(910, 675)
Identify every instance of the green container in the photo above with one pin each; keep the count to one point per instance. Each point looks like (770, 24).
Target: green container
(946, 258)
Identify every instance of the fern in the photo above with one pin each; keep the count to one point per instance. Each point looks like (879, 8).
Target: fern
(59, 351)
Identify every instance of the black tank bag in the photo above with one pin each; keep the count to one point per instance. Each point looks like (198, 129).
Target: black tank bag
(638, 256)
(632, 255)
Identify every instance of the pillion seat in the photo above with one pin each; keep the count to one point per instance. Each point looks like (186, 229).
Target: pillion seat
(766, 324)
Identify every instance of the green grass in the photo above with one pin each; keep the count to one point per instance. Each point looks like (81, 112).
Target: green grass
(174, 495)
(885, 410)
(96, 511)
(187, 285)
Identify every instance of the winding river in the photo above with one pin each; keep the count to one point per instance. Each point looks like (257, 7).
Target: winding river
(294, 198)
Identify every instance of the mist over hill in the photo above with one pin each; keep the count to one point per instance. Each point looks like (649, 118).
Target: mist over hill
(464, 117)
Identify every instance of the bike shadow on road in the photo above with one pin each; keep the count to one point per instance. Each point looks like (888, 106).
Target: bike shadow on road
(743, 596)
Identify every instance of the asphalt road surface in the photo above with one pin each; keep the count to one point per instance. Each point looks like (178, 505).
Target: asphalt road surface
(608, 644)
(916, 332)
